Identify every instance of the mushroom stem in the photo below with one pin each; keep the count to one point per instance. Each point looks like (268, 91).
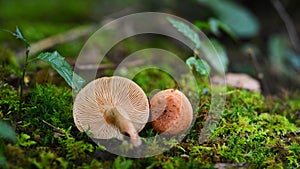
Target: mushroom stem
(118, 117)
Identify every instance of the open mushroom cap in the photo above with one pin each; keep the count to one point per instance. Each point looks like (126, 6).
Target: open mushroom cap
(105, 95)
(171, 112)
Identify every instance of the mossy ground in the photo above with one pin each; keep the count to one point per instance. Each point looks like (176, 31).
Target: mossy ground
(253, 132)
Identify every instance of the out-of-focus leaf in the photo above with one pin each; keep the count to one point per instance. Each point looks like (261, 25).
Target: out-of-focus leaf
(238, 18)
(293, 58)
(2, 160)
(200, 66)
(219, 62)
(202, 25)
(277, 46)
(216, 25)
(282, 58)
(7, 132)
(186, 31)
(63, 68)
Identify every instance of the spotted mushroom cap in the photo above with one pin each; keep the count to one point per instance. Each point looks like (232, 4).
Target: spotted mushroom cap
(171, 112)
(105, 93)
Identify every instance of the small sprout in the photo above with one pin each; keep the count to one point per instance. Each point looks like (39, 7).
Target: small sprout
(171, 112)
(111, 107)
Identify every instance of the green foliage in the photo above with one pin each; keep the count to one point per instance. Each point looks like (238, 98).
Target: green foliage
(215, 26)
(249, 131)
(199, 65)
(6, 134)
(186, 31)
(216, 55)
(282, 57)
(8, 59)
(48, 160)
(75, 149)
(49, 103)
(213, 51)
(25, 141)
(238, 18)
(63, 68)
(95, 164)
(9, 101)
(122, 163)
(20, 36)
(245, 135)
(289, 109)
(150, 80)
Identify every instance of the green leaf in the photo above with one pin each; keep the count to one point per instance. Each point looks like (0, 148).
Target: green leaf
(277, 46)
(216, 25)
(282, 58)
(19, 35)
(199, 65)
(238, 18)
(186, 31)
(63, 68)
(6, 132)
(24, 140)
(204, 26)
(219, 62)
(293, 58)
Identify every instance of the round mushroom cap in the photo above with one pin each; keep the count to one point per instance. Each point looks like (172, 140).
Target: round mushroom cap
(106, 94)
(171, 112)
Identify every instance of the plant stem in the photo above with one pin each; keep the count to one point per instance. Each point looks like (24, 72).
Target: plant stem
(22, 80)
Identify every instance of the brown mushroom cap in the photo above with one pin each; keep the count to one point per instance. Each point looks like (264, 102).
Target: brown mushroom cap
(171, 112)
(109, 106)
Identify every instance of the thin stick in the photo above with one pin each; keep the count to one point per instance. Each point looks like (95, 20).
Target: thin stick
(68, 36)
(72, 34)
(55, 128)
(108, 66)
(288, 24)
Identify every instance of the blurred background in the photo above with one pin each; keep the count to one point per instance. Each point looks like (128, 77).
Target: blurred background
(259, 38)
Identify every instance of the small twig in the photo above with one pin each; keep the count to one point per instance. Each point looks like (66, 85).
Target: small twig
(73, 34)
(68, 36)
(108, 66)
(55, 128)
(288, 24)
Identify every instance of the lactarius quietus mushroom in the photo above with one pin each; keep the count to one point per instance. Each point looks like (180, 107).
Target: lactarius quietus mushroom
(171, 112)
(111, 106)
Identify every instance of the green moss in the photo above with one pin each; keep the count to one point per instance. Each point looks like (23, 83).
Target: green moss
(9, 102)
(46, 104)
(288, 106)
(150, 80)
(247, 132)
(250, 131)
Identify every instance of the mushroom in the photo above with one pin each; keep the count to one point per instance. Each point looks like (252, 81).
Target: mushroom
(171, 112)
(111, 106)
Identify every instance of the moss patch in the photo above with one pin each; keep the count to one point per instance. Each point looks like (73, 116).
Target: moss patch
(250, 133)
